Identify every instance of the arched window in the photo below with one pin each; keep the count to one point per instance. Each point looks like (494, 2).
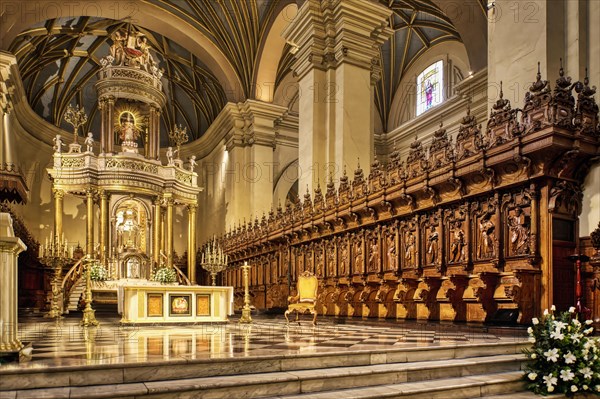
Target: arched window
(429, 87)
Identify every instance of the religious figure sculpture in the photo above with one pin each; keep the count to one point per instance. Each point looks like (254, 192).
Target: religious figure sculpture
(486, 238)
(331, 262)
(458, 243)
(519, 232)
(131, 48)
(170, 156)
(89, 142)
(358, 255)
(432, 245)
(193, 163)
(308, 265)
(319, 262)
(410, 249)
(374, 255)
(392, 256)
(58, 144)
(343, 258)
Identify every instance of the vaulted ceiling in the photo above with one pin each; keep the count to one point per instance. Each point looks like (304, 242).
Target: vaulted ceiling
(58, 58)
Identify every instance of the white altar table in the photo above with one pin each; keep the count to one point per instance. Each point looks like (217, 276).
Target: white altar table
(176, 304)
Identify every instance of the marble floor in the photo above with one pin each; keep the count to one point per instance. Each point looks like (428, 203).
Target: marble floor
(64, 343)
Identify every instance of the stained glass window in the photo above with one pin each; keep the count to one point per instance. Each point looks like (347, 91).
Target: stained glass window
(429, 87)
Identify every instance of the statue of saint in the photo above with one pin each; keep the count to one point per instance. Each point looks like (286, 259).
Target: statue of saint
(58, 144)
(458, 243)
(391, 252)
(519, 232)
(410, 249)
(343, 258)
(374, 256)
(432, 245)
(486, 238)
(89, 142)
(128, 131)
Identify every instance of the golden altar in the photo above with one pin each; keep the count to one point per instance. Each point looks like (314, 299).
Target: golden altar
(148, 304)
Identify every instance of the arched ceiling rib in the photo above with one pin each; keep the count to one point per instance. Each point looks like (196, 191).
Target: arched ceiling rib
(59, 60)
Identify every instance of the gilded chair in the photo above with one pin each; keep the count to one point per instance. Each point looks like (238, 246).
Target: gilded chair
(306, 298)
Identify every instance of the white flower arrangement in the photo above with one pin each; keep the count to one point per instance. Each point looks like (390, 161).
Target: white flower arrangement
(165, 275)
(98, 272)
(564, 357)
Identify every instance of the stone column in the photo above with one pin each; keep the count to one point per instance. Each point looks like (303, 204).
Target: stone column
(58, 213)
(10, 247)
(169, 228)
(89, 232)
(249, 174)
(103, 124)
(103, 227)
(337, 45)
(191, 248)
(156, 226)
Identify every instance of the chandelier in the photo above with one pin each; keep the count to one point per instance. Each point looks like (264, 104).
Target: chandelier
(213, 259)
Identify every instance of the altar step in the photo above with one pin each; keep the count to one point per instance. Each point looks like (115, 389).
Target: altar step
(463, 371)
(76, 292)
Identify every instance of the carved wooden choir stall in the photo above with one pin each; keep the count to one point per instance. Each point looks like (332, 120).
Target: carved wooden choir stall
(472, 230)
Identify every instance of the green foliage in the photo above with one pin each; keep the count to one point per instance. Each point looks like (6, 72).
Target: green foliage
(564, 357)
(165, 275)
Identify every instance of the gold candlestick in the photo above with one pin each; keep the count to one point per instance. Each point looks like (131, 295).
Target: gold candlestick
(246, 318)
(89, 314)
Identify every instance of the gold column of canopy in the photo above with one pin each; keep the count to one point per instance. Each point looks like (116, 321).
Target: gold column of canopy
(192, 243)
(156, 226)
(58, 212)
(89, 234)
(169, 226)
(103, 227)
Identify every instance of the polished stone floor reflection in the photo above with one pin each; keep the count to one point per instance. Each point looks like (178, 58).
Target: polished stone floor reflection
(65, 343)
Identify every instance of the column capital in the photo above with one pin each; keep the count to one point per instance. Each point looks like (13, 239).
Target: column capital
(192, 207)
(58, 193)
(325, 34)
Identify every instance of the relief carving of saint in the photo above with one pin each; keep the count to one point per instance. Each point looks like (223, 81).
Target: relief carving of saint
(391, 252)
(331, 261)
(358, 256)
(486, 238)
(458, 243)
(432, 245)
(373, 257)
(344, 259)
(519, 232)
(410, 251)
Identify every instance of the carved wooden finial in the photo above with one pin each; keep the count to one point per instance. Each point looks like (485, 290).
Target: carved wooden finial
(501, 92)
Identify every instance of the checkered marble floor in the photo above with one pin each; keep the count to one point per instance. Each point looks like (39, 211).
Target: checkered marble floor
(65, 343)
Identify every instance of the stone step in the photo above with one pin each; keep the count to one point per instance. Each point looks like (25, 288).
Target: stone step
(73, 376)
(531, 395)
(295, 382)
(455, 388)
(76, 292)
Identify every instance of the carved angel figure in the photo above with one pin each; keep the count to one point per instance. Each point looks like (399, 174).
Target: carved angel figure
(193, 163)
(170, 155)
(58, 144)
(89, 142)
